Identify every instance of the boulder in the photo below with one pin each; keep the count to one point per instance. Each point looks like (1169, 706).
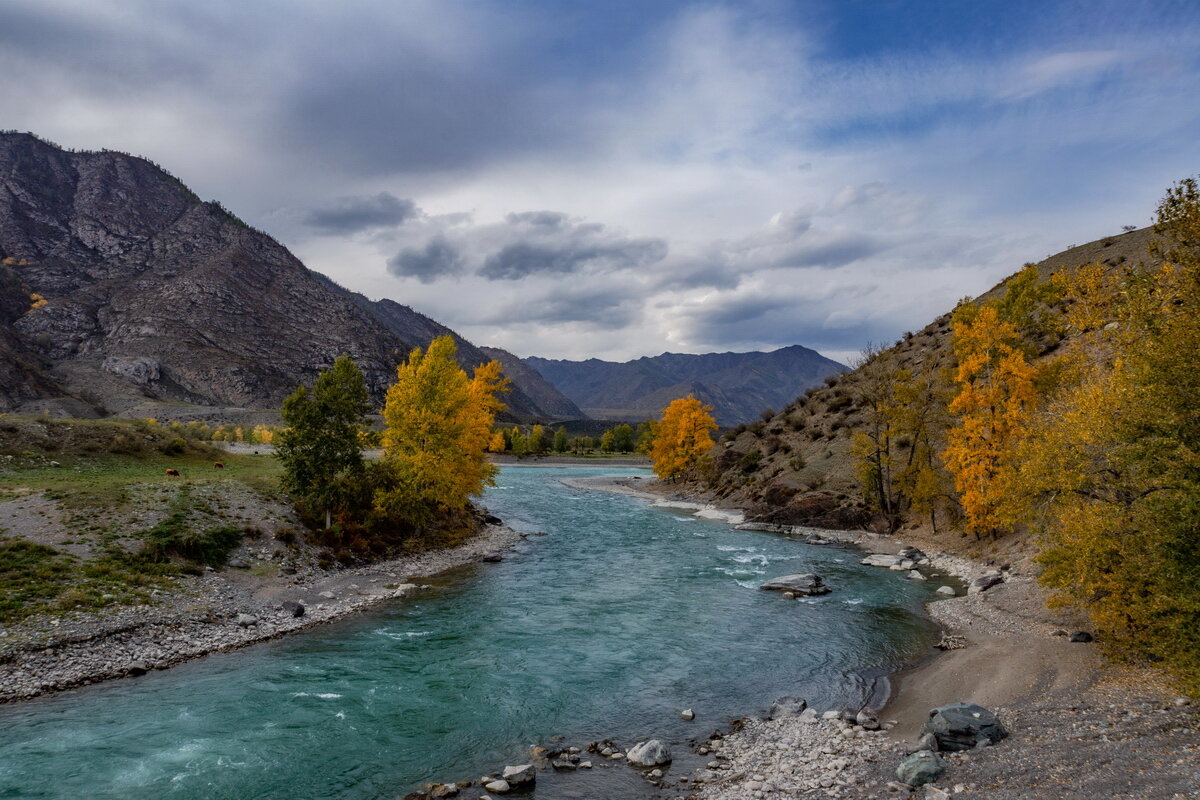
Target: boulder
(687, 714)
(499, 787)
(806, 583)
(922, 767)
(650, 753)
(960, 726)
(881, 560)
(916, 576)
(787, 707)
(246, 620)
(1082, 636)
(867, 720)
(946, 591)
(293, 607)
(985, 582)
(493, 558)
(563, 764)
(810, 715)
(136, 669)
(327, 595)
(237, 563)
(521, 775)
(437, 790)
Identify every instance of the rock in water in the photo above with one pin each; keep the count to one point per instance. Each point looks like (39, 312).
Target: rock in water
(443, 790)
(960, 726)
(922, 767)
(946, 591)
(651, 753)
(806, 583)
(787, 707)
(882, 560)
(687, 714)
(499, 787)
(519, 776)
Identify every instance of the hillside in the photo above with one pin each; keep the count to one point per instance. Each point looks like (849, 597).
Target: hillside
(550, 400)
(156, 299)
(739, 386)
(797, 468)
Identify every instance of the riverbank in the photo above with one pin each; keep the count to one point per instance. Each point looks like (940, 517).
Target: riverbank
(561, 460)
(1080, 728)
(219, 611)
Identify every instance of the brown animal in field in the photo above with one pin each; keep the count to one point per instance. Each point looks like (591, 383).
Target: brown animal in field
(218, 465)
(173, 473)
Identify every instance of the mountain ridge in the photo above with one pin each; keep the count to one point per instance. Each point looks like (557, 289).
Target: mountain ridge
(153, 296)
(739, 386)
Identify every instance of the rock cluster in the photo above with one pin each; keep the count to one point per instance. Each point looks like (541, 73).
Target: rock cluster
(804, 584)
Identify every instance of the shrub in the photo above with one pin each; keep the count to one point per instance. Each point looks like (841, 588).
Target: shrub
(749, 462)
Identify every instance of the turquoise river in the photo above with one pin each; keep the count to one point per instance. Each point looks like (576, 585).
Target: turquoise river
(607, 626)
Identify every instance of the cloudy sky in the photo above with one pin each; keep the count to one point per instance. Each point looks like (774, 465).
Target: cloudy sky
(619, 178)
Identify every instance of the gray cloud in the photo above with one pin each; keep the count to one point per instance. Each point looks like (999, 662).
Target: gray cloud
(354, 214)
(521, 259)
(598, 308)
(438, 258)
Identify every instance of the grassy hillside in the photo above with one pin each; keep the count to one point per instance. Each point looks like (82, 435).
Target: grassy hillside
(796, 466)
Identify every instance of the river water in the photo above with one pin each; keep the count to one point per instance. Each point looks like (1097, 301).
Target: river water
(607, 626)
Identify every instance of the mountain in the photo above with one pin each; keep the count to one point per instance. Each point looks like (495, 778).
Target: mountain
(739, 386)
(155, 298)
(553, 402)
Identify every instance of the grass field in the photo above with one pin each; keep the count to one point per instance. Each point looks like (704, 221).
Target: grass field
(90, 517)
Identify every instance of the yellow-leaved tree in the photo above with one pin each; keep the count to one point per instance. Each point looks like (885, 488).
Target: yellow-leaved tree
(995, 397)
(683, 438)
(438, 427)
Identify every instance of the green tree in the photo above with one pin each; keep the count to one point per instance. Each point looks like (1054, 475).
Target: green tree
(622, 441)
(319, 448)
(537, 439)
(560, 440)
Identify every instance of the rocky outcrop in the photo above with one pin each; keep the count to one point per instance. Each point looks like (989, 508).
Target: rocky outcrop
(151, 293)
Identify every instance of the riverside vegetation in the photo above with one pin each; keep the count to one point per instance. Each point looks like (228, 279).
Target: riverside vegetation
(1054, 419)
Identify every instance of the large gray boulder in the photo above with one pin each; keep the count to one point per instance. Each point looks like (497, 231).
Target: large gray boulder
(922, 767)
(960, 726)
(806, 583)
(882, 560)
(985, 582)
(651, 753)
(518, 776)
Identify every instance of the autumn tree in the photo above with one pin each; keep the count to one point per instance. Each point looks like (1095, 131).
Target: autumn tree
(683, 438)
(319, 448)
(537, 439)
(995, 396)
(438, 426)
(1111, 469)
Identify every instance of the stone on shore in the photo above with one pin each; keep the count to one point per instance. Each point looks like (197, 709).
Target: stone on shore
(916, 576)
(947, 591)
(787, 707)
(922, 767)
(246, 620)
(985, 582)
(1082, 636)
(806, 583)
(521, 775)
(961, 726)
(296, 609)
(651, 753)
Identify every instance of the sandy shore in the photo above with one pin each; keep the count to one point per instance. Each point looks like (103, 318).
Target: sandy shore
(220, 611)
(1080, 728)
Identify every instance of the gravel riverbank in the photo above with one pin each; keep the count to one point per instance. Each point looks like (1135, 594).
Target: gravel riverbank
(218, 611)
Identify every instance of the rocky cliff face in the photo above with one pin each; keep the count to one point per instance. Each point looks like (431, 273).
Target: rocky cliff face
(739, 386)
(153, 294)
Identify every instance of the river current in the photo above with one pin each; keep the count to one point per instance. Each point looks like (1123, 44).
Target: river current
(607, 626)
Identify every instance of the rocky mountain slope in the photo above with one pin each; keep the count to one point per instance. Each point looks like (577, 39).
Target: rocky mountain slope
(797, 468)
(541, 391)
(739, 386)
(154, 297)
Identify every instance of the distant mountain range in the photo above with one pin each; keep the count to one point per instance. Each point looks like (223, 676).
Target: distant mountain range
(739, 386)
(158, 304)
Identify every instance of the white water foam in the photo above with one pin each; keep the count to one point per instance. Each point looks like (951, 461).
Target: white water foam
(322, 695)
(402, 635)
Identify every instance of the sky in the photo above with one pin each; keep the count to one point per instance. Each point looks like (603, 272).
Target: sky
(621, 178)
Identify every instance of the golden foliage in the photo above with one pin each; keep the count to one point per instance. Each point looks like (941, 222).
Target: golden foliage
(438, 426)
(683, 437)
(996, 395)
(36, 301)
